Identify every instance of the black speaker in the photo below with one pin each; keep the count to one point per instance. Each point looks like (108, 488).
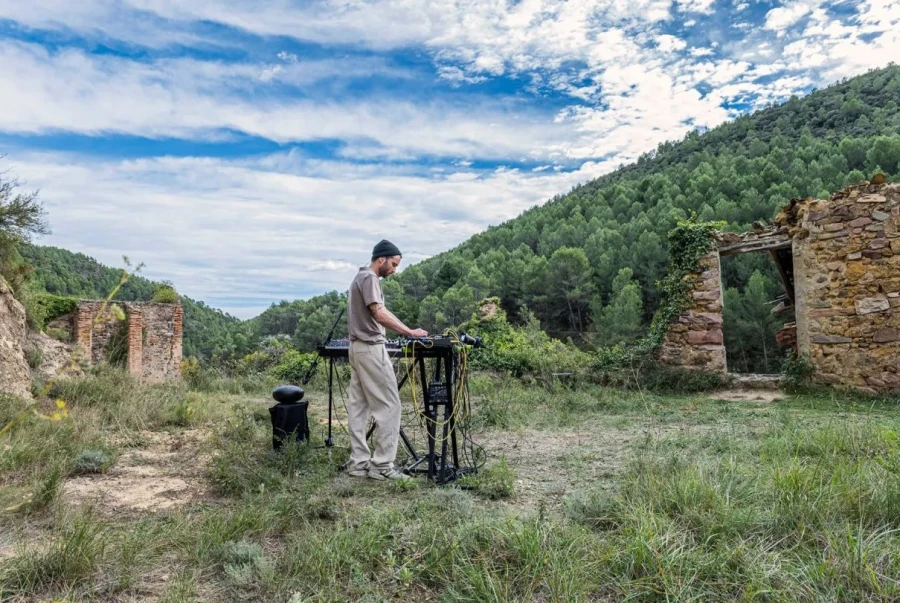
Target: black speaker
(289, 416)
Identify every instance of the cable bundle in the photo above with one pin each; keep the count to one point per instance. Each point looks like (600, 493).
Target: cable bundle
(471, 455)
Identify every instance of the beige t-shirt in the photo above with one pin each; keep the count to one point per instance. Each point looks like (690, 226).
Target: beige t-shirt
(364, 290)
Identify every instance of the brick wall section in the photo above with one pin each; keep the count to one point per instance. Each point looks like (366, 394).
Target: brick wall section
(153, 333)
(696, 341)
(847, 280)
(84, 319)
(161, 357)
(135, 340)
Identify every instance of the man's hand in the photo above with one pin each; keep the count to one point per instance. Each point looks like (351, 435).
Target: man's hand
(385, 318)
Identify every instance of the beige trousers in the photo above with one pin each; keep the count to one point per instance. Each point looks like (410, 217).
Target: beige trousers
(373, 392)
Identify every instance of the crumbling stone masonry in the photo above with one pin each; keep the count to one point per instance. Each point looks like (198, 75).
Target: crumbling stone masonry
(840, 262)
(696, 339)
(149, 339)
(847, 281)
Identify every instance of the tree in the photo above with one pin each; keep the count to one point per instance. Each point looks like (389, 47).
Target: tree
(21, 215)
(458, 304)
(479, 283)
(414, 283)
(620, 321)
(570, 275)
(884, 154)
(854, 151)
(402, 305)
(431, 315)
(447, 275)
(750, 326)
(312, 329)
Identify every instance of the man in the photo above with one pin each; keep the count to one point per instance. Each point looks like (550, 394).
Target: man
(373, 385)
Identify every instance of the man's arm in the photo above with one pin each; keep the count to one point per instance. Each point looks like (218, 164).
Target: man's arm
(386, 318)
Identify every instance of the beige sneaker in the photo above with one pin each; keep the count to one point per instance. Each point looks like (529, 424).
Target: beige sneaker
(388, 473)
(352, 471)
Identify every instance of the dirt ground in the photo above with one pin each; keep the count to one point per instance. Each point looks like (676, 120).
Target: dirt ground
(163, 470)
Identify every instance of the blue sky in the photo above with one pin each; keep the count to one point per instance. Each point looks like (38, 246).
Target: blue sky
(255, 151)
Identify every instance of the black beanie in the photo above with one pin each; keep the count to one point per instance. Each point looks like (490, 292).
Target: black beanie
(385, 249)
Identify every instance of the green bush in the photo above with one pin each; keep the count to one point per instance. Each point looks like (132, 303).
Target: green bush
(59, 334)
(797, 373)
(293, 366)
(164, 293)
(91, 461)
(52, 307)
(256, 362)
(519, 351)
(34, 357)
(650, 375)
(181, 413)
(224, 380)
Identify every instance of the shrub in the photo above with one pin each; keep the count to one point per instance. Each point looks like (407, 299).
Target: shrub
(53, 306)
(293, 366)
(181, 413)
(34, 357)
(91, 461)
(525, 350)
(797, 373)
(164, 293)
(652, 376)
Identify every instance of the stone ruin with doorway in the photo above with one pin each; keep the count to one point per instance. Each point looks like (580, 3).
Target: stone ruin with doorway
(147, 340)
(839, 260)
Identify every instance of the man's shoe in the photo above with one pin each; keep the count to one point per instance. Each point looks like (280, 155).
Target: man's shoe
(389, 473)
(352, 471)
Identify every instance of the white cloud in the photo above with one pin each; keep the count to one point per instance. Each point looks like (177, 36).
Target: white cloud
(77, 92)
(242, 234)
(696, 6)
(782, 17)
(668, 43)
(641, 115)
(833, 49)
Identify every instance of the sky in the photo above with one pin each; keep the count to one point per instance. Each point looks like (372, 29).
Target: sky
(251, 152)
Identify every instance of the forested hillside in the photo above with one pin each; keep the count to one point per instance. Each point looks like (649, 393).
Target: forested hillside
(208, 332)
(587, 262)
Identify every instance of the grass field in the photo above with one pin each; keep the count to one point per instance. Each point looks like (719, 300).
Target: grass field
(589, 494)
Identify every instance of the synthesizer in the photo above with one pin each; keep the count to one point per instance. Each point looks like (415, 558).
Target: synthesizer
(340, 348)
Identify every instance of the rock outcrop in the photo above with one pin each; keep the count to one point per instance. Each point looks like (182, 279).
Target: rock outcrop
(15, 374)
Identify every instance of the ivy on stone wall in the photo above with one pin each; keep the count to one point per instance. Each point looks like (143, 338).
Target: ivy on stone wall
(689, 241)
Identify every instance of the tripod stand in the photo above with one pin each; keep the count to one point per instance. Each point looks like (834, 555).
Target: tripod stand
(436, 396)
(438, 411)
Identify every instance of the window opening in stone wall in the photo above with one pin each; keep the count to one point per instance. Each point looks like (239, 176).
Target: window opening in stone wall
(758, 309)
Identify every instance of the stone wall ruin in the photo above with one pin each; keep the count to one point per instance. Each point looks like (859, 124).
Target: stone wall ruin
(840, 262)
(148, 340)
